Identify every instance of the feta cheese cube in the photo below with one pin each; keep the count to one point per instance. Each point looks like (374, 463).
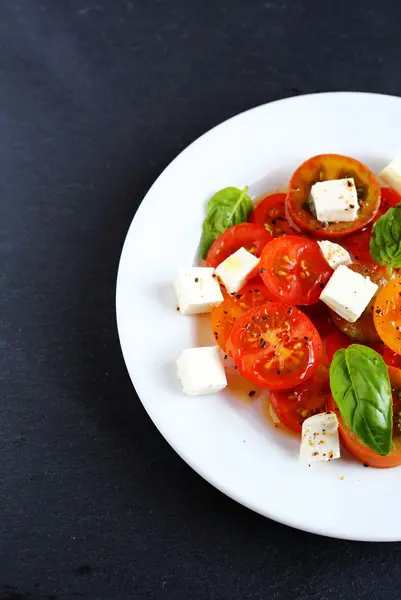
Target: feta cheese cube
(348, 293)
(236, 269)
(335, 200)
(198, 290)
(201, 371)
(392, 174)
(320, 440)
(335, 254)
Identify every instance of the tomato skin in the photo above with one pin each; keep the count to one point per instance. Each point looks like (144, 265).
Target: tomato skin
(224, 316)
(363, 329)
(359, 243)
(294, 269)
(387, 314)
(327, 167)
(357, 448)
(275, 346)
(392, 359)
(248, 235)
(292, 407)
(270, 214)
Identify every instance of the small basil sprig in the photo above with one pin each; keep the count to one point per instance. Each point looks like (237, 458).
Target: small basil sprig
(360, 386)
(385, 241)
(228, 207)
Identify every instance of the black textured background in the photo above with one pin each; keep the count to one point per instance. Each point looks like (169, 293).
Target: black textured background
(96, 98)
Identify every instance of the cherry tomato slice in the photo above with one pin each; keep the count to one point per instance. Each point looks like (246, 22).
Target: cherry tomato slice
(358, 244)
(326, 167)
(225, 315)
(245, 235)
(270, 214)
(392, 359)
(363, 329)
(387, 314)
(357, 448)
(294, 269)
(292, 407)
(275, 346)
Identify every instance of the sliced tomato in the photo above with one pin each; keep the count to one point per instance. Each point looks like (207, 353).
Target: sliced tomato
(225, 315)
(357, 448)
(387, 314)
(270, 214)
(327, 167)
(294, 269)
(364, 329)
(392, 359)
(389, 199)
(245, 235)
(275, 346)
(294, 406)
(358, 244)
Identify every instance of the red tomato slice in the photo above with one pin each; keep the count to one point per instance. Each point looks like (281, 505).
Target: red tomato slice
(326, 167)
(294, 269)
(225, 315)
(245, 235)
(270, 214)
(392, 359)
(357, 448)
(275, 346)
(358, 244)
(292, 407)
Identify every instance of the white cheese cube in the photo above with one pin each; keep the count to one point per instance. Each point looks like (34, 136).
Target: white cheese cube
(198, 290)
(236, 269)
(348, 293)
(320, 440)
(392, 174)
(335, 200)
(201, 371)
(335, 254)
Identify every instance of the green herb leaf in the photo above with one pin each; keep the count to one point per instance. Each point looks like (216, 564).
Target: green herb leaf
(228, 207)
(360, 386)
(385, 241)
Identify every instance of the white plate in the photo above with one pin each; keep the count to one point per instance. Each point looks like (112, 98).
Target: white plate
(223, 438)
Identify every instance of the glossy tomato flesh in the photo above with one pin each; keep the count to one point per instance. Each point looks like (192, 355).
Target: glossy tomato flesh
(357, 448)
(245, 235)
(270, 214)
(292, 407)
(294, 269)
(275, 346)
(387, 314)
(323, 168)
(234, 306)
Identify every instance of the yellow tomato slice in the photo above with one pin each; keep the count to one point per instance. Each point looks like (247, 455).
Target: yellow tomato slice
(387, 314)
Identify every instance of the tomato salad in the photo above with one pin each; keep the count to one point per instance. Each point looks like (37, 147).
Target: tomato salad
(304, 291)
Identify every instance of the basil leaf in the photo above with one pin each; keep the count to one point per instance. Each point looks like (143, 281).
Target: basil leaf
(228, 207)
(360, 386)
(385, 241)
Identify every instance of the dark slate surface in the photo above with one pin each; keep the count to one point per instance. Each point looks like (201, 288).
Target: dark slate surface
(96, 98)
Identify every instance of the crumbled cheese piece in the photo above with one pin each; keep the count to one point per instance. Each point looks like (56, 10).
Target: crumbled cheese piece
(392, 174)
(335, 254)
(198, 290)
(236, 269)
(348, 293)
(320, 441)
(201, 371)
(335, 200)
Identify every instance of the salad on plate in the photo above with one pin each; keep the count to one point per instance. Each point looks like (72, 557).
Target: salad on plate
(304, 291)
